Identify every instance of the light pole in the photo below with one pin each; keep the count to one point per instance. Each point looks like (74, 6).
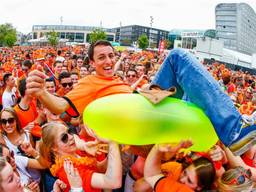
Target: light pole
(151, 23)
(120, 33)
(61, 20)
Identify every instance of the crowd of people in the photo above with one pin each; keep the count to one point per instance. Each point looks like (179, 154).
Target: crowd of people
(45, 146)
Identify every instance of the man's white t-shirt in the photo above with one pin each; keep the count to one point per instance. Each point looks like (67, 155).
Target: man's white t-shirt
(9, 98)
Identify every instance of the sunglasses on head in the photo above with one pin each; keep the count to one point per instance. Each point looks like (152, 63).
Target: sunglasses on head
(64, 136)
(67, 84)
(241, 178)
(10, 121)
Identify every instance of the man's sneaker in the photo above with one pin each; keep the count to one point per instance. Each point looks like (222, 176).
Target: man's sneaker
(247, 136)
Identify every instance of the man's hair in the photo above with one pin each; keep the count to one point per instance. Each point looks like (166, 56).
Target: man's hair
(22, 87)
(63, 75)
(55, 63)
(97, 43)
(59, 52)
(50, 80)
(80, 57)
(86, 60)
(27, 63)
(133, 70)
(6, 76)
(74, 73)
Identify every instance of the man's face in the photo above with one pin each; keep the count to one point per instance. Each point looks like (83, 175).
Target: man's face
(25, 69)
(83, 72)
(74, 78)
(79, 63)
(104, 60)
(66, 84)
(131, 77)
(140, 70)
(58, 68)
(64, 69)
(50, 86)
(11, 81)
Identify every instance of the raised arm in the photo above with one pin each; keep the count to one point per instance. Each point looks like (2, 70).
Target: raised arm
(35, 87)
(236, 161)
(152, 169)
(112, 179)
(118, 63)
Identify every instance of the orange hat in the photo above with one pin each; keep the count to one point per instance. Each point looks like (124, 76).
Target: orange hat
(40, 57)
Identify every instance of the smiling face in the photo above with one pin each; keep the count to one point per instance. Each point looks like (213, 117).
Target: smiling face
(8, 122)
(50, 86)
(67, 84)
(104, 60)
(131, 77)
(58, 67)
(64, 142)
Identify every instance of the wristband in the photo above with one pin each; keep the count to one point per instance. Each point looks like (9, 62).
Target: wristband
(76, 189)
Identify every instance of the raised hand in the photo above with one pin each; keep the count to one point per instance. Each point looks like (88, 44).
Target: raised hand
(72, 173)
(59, 186)
(35, 83)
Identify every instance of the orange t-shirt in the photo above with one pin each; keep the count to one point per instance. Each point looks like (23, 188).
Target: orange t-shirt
(170, 183)
(60, 92)
(247, 108)
(86, 166)
(26, 116)
(143, 82)
(93, 87)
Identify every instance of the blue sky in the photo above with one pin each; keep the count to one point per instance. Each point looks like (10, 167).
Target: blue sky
(167, 14)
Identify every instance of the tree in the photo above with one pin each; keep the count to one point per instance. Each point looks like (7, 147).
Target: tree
(143, 41)
(8, 35)
(10, 39)
(97, 34)
(53, 38)
(169, 44)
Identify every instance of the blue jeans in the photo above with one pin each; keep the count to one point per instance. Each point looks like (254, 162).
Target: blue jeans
(182, 70)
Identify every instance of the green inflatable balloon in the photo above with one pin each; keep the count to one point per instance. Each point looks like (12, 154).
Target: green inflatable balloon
(132, 119)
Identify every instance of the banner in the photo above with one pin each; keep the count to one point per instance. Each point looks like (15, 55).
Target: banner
(161, 47)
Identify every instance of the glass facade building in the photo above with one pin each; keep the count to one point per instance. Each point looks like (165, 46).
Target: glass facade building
(128, 35)
(79, 34)
(236, 26)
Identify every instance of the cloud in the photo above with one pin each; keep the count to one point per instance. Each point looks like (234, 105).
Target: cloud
(196, 14)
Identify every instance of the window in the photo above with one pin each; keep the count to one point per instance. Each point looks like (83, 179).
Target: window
(70, 36)
(62, 35)
(79, 37)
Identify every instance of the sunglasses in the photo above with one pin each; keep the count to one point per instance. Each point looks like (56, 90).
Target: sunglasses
(67, 84)
(131, 75)
(64, 136)
(10, 121)
(241, 178)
